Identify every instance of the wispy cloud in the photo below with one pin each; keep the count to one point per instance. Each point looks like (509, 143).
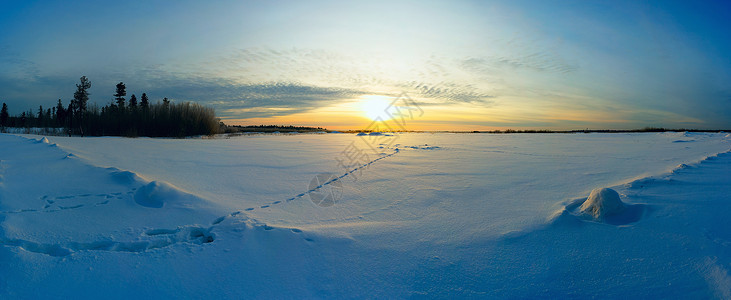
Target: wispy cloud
(275, 99)
(540, 62)
(446, 93)
(15, 66)
(330, 71)
(243, 100)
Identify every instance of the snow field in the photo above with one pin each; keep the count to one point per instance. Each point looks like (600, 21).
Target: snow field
(426, 215)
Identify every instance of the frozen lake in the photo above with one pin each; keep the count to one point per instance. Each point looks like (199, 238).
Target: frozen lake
(486, 183)
(432, 215)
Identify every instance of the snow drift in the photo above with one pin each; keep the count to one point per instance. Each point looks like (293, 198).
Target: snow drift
(156, 194)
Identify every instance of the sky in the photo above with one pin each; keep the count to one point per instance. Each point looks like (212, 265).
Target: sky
(457, 65)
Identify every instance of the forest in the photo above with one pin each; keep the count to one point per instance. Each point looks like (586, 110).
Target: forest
(121, 117)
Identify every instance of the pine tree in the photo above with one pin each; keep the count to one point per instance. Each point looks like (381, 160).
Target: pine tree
(60, 114)
(144, 102)
(81, 96)
(119, 95)
(4, 115)
(40, 116)
(70, 116)
(133, 101)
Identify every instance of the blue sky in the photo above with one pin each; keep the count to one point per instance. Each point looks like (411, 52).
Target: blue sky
(470, 64)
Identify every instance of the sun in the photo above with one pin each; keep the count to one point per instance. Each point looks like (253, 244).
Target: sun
(376, 107)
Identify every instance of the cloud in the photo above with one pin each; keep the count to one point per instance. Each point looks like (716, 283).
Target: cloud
(229, 97)
(22, 94)
(342, 73)
(263, 82)
(538, 62)
(14, 66)
(242, 100)
(272, 99)
(448, 93)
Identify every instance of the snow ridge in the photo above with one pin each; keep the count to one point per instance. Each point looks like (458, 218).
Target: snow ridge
(666, 177)
(573, 211)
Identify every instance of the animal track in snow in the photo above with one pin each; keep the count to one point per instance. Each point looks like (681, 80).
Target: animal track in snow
(161, 238)
(66, 202)
(396, 149)
(151, 239)
(158, 238)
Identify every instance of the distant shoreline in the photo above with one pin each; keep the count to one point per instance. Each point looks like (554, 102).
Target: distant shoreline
(305, 129)
(276, 129)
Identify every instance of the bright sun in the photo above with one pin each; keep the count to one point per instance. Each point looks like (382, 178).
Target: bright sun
(375, 107)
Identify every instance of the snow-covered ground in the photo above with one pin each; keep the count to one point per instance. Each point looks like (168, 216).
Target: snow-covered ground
(414, 215)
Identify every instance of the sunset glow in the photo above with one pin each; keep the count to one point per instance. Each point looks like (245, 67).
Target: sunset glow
(376, 107)
(470, 65)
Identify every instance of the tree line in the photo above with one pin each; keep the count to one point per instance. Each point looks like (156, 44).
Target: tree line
(270, 128)
(121, 117)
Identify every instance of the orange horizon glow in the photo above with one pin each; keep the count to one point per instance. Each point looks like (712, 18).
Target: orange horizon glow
(517, 114)
(363, 112)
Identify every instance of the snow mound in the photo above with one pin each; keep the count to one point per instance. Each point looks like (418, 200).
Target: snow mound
(376, 133)
(44, 140)
(601, 203)
(156, 194)
(361, 134)
(422, 147)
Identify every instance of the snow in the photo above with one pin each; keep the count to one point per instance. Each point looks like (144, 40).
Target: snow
(421, 215)
(601, 203)
(155, 194)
